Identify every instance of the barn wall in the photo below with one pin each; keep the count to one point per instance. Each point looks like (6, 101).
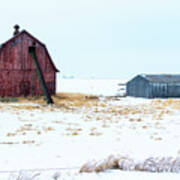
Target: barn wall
(23, 83)
(18, 76)
(138, 87)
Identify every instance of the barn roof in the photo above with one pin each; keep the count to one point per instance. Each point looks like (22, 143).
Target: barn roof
(35, 39)
(162, 78)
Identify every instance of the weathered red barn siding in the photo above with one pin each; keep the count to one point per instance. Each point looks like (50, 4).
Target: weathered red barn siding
(18, 75)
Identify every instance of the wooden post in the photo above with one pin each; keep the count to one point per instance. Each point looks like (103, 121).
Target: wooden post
(32, 51)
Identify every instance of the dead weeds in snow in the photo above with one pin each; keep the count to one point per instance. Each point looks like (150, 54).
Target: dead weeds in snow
(67, 101)
(28, 142)
(75, 100)
(27, 107)
(73, 131)
(48, 129)
(25, 128)
(95, 132)
(9, 142)
(9, 134)
(166, 103)
(152, 164)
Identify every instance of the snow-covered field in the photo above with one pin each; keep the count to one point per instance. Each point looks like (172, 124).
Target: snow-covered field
(77, 130)
(105, 87)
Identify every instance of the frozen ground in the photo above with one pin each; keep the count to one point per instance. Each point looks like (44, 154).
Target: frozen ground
(34, 136)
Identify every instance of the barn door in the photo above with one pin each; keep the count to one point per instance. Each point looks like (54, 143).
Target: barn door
(25, 88)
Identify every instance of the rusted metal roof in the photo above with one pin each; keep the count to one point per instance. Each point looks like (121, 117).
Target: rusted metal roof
(162, 78)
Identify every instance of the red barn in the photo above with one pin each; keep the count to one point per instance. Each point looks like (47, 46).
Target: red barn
(18, 75)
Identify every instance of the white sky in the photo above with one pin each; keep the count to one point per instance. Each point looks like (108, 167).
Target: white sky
(101, 38)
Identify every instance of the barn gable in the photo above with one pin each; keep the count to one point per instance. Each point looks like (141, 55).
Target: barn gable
(19, 40)
(18, 68)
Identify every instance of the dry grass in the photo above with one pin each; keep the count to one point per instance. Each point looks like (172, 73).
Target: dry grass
(48, 129)
(9, 134)
(28, 142)
(75, 100)
(171, 103)
(73, 131)
(67, 101)
(94, 132)
(28, 107)
(24, 128)
(38, 132)
(9, 142)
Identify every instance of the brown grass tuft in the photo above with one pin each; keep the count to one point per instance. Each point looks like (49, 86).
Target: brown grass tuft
(11, 134)
(28, 142)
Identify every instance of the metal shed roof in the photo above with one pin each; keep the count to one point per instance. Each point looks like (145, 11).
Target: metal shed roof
(162, 78)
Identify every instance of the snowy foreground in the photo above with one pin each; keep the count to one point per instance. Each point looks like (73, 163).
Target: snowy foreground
(81, 133)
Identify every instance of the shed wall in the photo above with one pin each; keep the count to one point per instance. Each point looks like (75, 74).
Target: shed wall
(138, 87)
(174, 90)
(165, 90)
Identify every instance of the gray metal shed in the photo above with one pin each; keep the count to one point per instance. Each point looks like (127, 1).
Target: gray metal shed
(154, 86)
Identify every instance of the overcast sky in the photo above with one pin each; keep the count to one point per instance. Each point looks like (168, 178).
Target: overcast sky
(101, 38)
